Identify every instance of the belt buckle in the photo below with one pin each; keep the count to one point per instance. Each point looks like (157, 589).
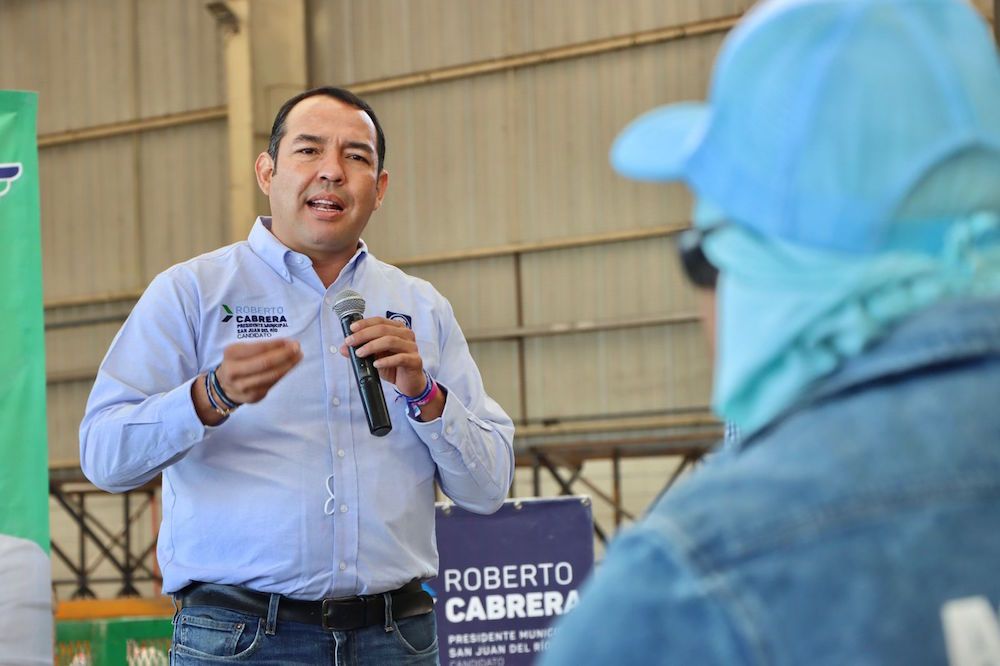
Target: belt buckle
(325, 613)
(330, 605)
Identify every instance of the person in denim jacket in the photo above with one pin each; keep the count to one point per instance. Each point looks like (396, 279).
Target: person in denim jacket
(846, 170)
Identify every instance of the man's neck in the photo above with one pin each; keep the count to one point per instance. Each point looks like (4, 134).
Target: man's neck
(329, 270)
(328, 266)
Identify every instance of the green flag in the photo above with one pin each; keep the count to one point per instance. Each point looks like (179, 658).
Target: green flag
(25, 574)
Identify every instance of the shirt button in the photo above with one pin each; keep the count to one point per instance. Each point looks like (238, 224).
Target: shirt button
(299, 260)
(333, 349)
(340, 453)
(343, 566)
(434, 435)
(449, 430)
(343, 508)
(472, 465)
(328, 300)
(336, 402)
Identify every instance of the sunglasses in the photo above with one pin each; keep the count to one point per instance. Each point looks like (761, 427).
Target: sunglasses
(698, 269)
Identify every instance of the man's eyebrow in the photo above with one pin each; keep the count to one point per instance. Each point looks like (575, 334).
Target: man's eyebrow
(360, 145)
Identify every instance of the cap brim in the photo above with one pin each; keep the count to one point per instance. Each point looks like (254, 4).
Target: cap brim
(656, 145)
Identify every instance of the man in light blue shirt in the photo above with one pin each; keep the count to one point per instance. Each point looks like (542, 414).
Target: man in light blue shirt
(290, 534)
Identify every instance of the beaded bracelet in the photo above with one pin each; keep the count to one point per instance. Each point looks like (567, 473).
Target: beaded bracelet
(225, 399)
(221, 411)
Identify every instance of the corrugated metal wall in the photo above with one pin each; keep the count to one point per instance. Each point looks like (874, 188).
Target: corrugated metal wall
(519, 157)
(116, 210)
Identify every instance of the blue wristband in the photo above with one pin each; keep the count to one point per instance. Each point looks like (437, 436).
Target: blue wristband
(413, 404)
(226, 400)
(221, 411)
(420, 398)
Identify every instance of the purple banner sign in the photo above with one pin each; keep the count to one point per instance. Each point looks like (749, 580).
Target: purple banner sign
(504, 579)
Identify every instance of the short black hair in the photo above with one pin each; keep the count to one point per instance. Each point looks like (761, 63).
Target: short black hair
(279, 127)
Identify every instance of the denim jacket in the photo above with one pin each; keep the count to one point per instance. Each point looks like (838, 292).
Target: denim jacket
(835, 535)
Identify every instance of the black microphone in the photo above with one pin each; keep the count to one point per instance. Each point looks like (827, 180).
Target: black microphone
(350, 307)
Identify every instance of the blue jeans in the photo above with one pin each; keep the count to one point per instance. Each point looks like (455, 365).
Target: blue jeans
(210, 635)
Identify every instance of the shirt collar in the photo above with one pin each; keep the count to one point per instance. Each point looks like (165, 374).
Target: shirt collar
(281, 258)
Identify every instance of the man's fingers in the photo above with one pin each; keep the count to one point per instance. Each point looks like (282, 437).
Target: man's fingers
(253, 387)
(412, 361)
(384, 345)
(362, 324)
(382, 329)
(264, 359)
(366, 329)
(264, 380)
(270, 359)
(247, 378)
(241, 350)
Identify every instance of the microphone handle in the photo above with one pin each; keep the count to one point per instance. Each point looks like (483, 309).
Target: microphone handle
(369, 385)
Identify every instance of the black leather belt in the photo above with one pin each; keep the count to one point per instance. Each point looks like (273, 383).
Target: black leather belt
(343, 614)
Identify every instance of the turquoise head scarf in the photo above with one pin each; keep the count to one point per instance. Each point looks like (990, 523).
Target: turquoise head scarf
(789, 315)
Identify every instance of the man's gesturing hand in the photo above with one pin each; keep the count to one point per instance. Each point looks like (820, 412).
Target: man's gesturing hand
(249, 369)
(394, 350)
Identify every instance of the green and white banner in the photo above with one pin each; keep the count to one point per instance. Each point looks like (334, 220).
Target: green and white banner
(25, 570)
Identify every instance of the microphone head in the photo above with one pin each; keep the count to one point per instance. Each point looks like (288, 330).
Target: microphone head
(348, 302)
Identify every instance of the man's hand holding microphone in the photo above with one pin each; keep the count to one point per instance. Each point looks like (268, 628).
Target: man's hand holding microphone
(388, 348)
(396, 357)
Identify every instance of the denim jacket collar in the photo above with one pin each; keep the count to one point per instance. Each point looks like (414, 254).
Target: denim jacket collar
(949, 332)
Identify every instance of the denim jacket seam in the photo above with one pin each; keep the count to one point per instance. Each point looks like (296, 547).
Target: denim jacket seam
(901, 362)
(927, 345)
(674, 543)
(859, 509)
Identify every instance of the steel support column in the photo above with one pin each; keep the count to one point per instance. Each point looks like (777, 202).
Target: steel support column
(265, 60)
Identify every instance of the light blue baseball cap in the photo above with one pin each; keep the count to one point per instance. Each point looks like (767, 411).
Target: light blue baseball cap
(826, 118)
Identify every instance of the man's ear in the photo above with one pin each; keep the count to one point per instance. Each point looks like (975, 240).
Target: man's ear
(380, 187)
(264, 168)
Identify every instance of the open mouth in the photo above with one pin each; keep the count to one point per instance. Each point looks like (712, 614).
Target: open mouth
(326, 205)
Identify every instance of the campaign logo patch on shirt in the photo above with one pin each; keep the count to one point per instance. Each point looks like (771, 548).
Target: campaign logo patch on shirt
(255, 321)
(405, 319)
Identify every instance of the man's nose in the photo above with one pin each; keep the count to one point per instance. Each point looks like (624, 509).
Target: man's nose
(332, 170)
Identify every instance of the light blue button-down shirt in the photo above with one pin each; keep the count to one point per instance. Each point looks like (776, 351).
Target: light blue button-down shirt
(291, 494)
